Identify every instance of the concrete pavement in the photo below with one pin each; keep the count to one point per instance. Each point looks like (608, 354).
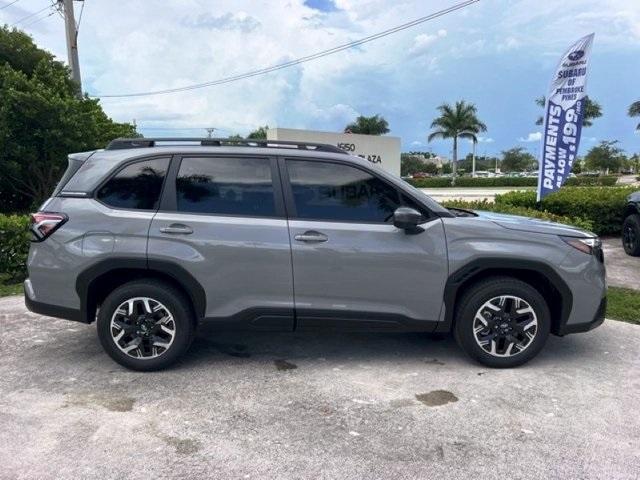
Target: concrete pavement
(622, 270)
(290, 406)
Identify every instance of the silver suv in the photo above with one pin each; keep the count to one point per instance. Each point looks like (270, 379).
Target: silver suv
(151, 237)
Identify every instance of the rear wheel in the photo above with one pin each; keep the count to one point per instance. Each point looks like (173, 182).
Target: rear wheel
(502, 322)
(145, 325)
(631, 235)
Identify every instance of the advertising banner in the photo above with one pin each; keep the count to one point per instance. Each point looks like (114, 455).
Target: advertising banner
(564, 111)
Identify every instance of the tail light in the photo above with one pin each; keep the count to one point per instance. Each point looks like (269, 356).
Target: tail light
(43, 224)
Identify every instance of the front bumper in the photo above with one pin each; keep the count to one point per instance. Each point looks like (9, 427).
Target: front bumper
(586, 326)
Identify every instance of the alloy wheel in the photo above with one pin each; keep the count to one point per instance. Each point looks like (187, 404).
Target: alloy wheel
(143, 328)
(505, 326)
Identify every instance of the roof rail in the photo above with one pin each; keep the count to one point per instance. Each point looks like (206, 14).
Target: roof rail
(124, 143)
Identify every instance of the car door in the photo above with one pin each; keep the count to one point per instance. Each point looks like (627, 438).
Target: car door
(352, 268)
(222, 221)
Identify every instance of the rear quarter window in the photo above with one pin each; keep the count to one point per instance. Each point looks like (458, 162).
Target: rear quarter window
(136, 186)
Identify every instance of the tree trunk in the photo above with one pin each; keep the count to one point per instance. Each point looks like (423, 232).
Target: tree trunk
(454, 161)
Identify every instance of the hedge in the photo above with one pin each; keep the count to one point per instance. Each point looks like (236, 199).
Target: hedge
(444, 182)
(14, 247)
(522, 211)
(602, 206)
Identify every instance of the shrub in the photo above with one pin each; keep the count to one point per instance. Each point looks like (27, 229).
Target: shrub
(522, 211)
(444, 182)
(14, 247)
(604, 181)
(602, 206)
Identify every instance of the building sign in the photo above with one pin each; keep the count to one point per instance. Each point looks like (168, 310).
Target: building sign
(380, 150)
(564, 111)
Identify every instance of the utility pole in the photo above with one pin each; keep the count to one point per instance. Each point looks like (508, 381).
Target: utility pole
(72, 41)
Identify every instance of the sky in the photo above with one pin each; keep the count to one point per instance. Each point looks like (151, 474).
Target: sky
(498, 54)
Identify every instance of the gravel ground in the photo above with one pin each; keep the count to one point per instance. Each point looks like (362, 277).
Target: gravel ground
(249, 405)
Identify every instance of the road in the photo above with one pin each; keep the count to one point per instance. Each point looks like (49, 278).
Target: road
(292, 406)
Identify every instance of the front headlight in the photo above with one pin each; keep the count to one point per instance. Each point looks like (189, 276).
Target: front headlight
(585, 245)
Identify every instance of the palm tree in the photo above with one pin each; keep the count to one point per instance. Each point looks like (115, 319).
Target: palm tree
(634, 111)
(592, 110)
(375, 125)
(458, 121)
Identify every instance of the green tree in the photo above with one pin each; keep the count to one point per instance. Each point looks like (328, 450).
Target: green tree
(259, 134)
(517, 160)
(605, 157)
(410, 164)
(375, 125)
(634, 111)
(592, 110)
(42, 121)
(457, 121)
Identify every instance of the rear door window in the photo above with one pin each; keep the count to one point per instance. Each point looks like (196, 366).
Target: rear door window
(136, 186)
(240, 186)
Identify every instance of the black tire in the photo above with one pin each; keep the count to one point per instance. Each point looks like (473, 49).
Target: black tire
(631, 235)
(477, 296)
(171, 299)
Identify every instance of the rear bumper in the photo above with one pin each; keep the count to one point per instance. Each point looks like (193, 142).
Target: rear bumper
(47, 309)
(586, 326)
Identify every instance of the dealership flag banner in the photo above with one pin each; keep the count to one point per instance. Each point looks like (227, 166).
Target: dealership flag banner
(563, 115)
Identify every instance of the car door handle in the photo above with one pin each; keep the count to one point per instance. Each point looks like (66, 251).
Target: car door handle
(311, 237)
(177, 228)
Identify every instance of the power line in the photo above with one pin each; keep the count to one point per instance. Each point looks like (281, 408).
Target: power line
(9, 4)
(31, 15)
(300, 60)
(39, 20)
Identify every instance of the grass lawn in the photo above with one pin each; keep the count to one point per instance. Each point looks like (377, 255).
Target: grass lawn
(624, 303)
(12, 289)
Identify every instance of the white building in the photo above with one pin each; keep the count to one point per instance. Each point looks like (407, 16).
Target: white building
(380, 150)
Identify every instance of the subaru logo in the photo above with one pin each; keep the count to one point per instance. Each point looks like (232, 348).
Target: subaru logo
(577, 55)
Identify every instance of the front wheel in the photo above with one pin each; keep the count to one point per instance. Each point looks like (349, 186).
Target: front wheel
(631, 235)
(502, 322)
(145, 325)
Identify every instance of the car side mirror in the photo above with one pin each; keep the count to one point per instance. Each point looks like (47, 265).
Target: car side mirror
(407, 219)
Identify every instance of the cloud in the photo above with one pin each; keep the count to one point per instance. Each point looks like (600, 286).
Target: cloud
(229, 21)
(485, 140)
(509, 43)
(417, 143)
(532, 137)
(422, 43)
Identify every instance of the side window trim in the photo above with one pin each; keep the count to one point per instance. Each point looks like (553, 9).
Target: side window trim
(169, 204)
(94, 193)
(290, 204)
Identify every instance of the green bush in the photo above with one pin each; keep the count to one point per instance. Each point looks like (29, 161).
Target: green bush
(14, 247)
(522, 211)
(604, 181)
(444, 182)
(602, 206)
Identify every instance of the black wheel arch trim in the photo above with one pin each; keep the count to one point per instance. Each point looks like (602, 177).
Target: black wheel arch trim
(190, 285)
(482, 265)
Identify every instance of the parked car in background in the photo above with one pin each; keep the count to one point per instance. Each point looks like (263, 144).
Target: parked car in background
(150, 238)
(631, 225)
